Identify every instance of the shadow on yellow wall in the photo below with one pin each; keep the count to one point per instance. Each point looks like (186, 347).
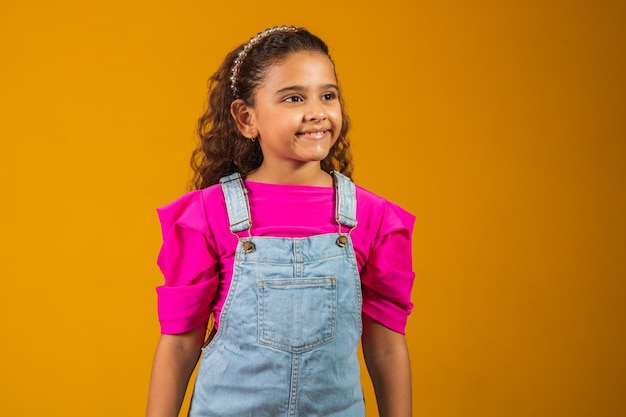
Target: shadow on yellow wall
(500, 125)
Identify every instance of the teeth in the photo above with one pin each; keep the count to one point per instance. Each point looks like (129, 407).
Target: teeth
(316, 134)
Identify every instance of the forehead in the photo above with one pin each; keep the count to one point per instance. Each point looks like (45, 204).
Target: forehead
(304, 68)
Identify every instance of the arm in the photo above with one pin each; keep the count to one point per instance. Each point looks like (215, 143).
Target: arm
(174, 361)
(387, 359)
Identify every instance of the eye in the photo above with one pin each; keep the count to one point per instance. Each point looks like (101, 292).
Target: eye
(329, 96)
(294, 99)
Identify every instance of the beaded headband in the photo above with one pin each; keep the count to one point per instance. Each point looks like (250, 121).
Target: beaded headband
(234, 70)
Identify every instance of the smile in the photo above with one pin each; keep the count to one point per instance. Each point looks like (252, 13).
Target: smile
(321, 134)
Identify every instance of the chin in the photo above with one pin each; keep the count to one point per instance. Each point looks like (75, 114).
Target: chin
(319, 157)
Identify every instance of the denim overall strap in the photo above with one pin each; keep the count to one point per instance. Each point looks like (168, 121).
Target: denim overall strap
(236, 202)
(345, 207)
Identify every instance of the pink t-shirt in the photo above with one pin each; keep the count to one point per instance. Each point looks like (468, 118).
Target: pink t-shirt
(198, 249)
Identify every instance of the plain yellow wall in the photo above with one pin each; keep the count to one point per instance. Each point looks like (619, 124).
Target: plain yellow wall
(501, 125)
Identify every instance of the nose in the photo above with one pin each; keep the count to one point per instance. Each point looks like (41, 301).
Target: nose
(315, 111)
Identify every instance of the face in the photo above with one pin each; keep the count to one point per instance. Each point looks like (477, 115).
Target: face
(297, 113)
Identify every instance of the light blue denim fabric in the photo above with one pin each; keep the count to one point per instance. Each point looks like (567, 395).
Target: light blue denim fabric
(290, 326)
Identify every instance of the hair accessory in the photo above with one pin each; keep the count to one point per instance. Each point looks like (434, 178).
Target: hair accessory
(234, 70)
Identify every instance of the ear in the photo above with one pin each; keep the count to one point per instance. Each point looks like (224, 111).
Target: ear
(244, 118)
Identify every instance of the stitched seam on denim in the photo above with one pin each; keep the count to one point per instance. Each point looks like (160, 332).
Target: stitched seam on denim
(307, 262)
(345, 208)
(321, 282)
(236, 203)
(295, 377)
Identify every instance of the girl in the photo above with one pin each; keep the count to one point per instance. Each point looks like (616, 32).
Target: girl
(268, 244)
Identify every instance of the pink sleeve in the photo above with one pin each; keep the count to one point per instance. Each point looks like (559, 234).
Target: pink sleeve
(387, 276)
(188, 264)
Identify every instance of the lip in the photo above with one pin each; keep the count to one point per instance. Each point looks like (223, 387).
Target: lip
(314, 134)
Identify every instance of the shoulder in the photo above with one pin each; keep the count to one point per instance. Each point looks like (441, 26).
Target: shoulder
(190, 210)
(370, 199)
(373, 208)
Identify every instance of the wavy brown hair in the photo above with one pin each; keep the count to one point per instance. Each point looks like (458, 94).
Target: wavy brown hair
(223, 149)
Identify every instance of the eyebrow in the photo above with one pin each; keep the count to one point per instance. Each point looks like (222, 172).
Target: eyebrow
(299, 88)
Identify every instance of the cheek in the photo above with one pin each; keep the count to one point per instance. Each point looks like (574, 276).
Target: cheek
(273, 121)
(335, 114)
(337, 118)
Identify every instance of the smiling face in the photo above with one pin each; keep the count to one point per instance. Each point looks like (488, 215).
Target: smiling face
(296, 113)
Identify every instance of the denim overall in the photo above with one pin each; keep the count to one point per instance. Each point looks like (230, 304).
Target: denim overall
(291, 323)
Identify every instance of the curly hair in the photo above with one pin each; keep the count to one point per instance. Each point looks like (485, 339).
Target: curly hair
(222, 149)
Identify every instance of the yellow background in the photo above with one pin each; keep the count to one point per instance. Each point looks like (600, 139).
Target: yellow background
(500, 125)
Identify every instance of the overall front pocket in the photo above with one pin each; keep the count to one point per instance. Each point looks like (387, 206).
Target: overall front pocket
(297, 314)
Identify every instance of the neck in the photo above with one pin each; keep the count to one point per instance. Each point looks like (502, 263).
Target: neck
(309, 174)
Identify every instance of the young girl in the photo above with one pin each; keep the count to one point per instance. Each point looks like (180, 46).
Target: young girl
(294, 262)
